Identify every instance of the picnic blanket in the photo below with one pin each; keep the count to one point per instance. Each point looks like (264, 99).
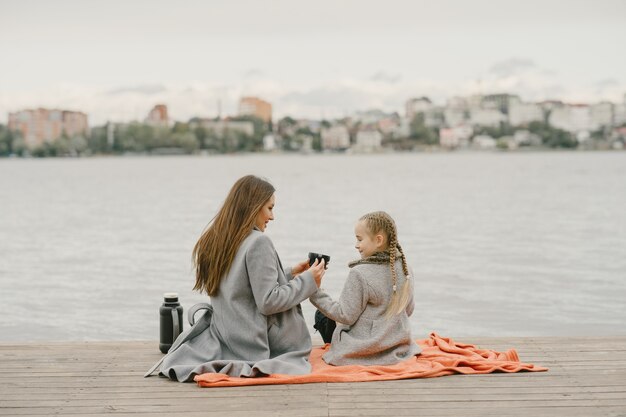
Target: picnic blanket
(440, 356)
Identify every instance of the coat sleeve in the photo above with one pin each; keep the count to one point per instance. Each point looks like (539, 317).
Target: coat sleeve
(351, 304)
(288, 273)
(269, 295)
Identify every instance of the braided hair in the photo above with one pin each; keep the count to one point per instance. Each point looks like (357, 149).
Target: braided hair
(381, 222)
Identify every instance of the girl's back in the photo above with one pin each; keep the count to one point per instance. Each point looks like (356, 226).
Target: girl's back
(364, 336)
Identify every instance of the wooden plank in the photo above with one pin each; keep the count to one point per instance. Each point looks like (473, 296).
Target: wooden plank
(208, 409)
(400, 401)
(493, 411)
(248, 402)
(464, 403)
(587, 377)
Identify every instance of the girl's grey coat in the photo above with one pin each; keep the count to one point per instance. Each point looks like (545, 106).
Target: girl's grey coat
(363, 335)
(256, 326)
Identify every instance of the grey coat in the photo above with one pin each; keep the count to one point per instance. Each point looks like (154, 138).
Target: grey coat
(363, 335)
(256, 327)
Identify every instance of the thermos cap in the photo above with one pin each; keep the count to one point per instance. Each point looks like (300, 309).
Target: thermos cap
(170, 295)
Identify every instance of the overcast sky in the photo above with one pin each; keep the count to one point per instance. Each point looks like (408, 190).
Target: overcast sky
(328, 58)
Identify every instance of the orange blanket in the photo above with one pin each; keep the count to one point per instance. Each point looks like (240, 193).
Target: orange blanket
(440, 356)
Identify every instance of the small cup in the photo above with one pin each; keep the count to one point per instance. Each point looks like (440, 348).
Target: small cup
(313, 256)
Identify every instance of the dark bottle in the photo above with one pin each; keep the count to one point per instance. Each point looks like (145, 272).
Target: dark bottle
(171, 321)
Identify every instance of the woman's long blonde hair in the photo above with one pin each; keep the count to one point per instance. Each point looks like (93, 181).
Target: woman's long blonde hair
(381, 222)
(215, 251)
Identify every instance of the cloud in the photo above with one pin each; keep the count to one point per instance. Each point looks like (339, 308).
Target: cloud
(607, 83)
(254, 73)
(340, 96)
(511, 66)
(383, 76)
(147, 89)
(519, 76)
(328, 99)
(605, 87)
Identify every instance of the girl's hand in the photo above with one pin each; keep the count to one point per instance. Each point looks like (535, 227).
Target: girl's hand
(318, 269)
(300, 268)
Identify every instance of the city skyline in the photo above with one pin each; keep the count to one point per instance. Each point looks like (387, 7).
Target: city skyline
(116, 60)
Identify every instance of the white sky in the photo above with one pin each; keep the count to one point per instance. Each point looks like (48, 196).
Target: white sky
(115, 59)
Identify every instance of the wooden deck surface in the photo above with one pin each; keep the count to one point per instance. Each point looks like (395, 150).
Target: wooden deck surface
(587, 377)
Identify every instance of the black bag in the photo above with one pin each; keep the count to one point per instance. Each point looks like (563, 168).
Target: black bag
(325, 326)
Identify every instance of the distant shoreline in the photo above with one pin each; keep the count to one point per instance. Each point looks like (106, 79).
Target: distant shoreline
(323, 153)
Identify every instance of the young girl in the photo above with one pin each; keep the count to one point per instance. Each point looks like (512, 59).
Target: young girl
(374, 307)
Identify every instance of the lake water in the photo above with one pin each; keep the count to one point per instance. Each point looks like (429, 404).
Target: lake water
(502, 244)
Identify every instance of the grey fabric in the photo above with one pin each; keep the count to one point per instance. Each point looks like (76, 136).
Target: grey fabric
(191, 314)
(194, 331)
(257, 327)
(363, 335)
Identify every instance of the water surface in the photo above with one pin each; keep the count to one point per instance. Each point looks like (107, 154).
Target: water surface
(501, 244)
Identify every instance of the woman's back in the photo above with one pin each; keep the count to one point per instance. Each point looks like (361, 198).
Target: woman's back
(237, 322)
(256, 310)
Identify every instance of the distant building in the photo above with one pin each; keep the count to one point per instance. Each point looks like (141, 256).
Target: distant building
(525, 113)
(388, 125)
(254, 106)
(572, 118)
(41, 125)
(313, 125)
(549, 105)
(220, 127)
(501, 102)
(456, 111)
(402, 129)
(368, 140)
(601, 115)
(455, 137)
(454, 116)
(417, 105)
(619, 114)
(484, 142)
(158, 116)
(335, 138)
(475, 101)
(487, 117)
(269, 142)
(456, 102)
(434, 117)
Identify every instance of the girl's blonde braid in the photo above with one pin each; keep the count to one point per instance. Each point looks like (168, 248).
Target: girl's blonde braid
(393, 243)
(405, 267)
(401, 296)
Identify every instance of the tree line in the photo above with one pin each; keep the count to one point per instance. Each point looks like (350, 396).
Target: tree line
(190, 137)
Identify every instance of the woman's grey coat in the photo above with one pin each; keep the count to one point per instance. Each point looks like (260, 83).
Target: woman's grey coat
(363, 335)
(256, 326)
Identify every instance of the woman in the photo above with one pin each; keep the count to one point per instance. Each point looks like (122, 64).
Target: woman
(256, 327)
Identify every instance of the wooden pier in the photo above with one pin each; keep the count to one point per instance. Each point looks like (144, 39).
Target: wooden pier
(587, 377)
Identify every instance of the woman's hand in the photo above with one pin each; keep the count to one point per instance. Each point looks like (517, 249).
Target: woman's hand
(318, 269)
(300, 268)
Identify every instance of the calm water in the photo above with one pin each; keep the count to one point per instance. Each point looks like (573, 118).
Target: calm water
(501, 244)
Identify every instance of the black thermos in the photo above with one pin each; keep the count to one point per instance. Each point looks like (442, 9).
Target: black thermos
(171, 321)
